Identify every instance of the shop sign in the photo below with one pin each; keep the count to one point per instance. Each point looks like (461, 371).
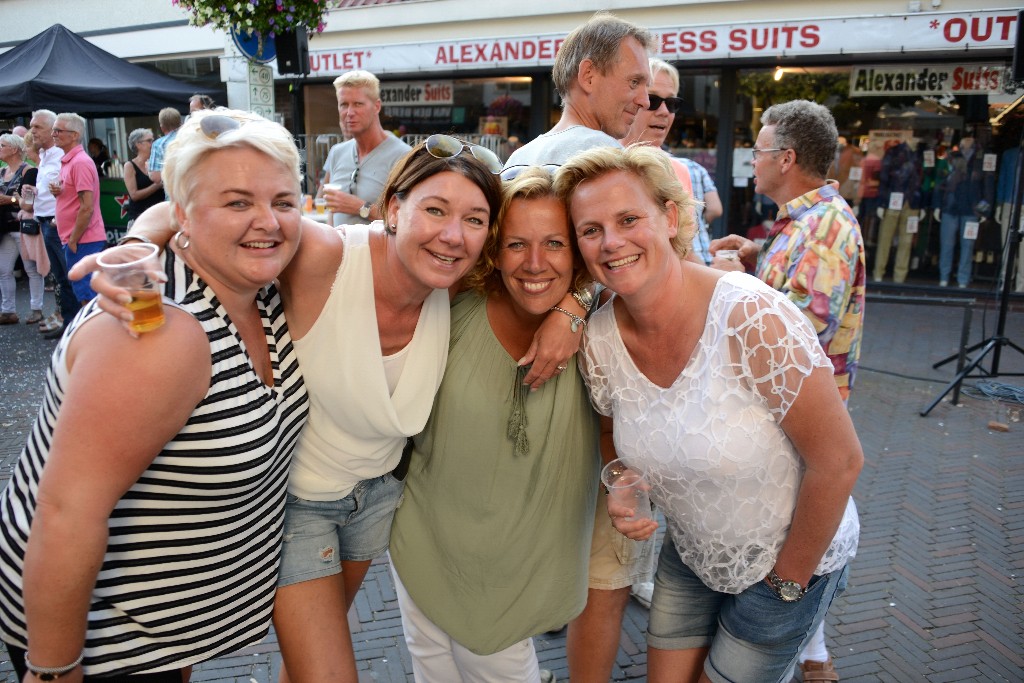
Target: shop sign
(421, 93)
(962, 32)
(933, 79)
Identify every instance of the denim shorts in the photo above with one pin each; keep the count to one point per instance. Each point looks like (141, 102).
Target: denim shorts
(318, 535)
(753, 635)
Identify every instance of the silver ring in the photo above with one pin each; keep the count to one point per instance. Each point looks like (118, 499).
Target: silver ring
(562, 367)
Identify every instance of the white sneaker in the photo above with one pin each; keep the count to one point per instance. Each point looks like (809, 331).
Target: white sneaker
(643, 593)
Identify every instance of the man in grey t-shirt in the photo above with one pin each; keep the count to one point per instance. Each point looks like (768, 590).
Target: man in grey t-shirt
(357, 169)
(602, 73)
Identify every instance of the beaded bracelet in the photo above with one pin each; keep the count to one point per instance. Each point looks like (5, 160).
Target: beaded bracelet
(576, 320)
(51, 673)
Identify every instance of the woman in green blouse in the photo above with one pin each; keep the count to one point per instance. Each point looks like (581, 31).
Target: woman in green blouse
(491, 543)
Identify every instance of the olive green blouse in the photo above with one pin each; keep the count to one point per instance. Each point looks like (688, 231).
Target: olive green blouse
(492, 540)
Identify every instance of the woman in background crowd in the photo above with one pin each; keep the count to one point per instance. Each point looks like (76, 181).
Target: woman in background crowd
(142, 191)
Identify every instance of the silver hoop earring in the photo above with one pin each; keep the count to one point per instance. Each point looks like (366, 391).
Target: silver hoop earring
(178, 240)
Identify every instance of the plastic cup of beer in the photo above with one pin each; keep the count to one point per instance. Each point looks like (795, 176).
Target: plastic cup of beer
(132, 266)
(728, 254)
(28, 193)
(628, 487)
(53, 180)
(321, 205)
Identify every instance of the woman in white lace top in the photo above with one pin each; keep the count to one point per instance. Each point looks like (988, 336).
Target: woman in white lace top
(716, 385)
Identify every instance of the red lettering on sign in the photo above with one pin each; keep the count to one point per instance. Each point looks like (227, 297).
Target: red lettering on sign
(529, 49)
(810, 36)
(980, 29)
(737, 39)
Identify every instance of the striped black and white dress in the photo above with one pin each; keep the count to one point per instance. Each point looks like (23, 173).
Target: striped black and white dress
(194, 546)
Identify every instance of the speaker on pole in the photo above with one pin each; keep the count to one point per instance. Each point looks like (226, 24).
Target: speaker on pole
(1018, 49)
(292, 51)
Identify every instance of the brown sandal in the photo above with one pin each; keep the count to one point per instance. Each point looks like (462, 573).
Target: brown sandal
(818, 671)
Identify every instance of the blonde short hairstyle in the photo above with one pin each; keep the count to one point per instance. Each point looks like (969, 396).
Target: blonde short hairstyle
(192, 146)
(533, 183)
(651, 166)
(359, 79)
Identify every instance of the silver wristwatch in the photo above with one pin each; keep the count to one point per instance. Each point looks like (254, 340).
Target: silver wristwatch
(364, 210)
(788, 591)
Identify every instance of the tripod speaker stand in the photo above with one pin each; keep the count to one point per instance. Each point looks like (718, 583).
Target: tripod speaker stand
(995, 343)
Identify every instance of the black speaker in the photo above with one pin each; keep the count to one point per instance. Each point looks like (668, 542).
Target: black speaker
(292, 51)
(1018, 49)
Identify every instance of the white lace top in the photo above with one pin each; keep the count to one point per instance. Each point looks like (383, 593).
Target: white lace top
(721, 469)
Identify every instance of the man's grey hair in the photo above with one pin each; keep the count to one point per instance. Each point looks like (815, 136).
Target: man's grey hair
(45, 114)
(808, 129)
(597, 40)
(72, 122)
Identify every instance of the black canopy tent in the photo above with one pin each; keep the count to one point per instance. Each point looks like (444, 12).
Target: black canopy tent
(59, 70)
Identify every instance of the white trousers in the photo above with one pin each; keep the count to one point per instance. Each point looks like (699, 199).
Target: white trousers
(437, 658)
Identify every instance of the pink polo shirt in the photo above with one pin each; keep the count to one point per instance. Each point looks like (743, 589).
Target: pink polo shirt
(78, 174)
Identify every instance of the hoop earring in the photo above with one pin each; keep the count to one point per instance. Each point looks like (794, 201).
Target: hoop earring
(177, 240)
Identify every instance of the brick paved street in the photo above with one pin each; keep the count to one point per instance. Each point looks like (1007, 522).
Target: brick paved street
(935, 591)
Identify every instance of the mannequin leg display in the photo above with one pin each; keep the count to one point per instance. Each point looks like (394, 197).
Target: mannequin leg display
(948, 234)
(886, 232)
(903, 246)
(966, 263)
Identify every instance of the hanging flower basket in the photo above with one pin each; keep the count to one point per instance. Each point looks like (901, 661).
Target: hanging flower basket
(262, 18)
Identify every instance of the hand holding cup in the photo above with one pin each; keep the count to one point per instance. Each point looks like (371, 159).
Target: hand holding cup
(136, 268)
(628, 502)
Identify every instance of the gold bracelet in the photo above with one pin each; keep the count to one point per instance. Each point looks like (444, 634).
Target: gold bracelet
(576, 320)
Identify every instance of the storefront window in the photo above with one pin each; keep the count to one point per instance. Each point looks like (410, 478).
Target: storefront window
(905, 164)
(695, 129)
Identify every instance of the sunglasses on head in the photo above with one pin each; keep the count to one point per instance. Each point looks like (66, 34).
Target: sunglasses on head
(673, 104)
(513, 172)
(442, 146)
(213, 125)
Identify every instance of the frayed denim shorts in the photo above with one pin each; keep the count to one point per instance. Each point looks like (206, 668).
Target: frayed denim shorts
(318, 534)
(753, 635)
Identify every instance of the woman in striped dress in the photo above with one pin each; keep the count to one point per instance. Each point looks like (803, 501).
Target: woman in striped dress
(141, 530)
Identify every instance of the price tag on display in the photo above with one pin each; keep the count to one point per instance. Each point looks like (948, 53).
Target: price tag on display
(988, 163)
(971, 230)
(896, 201)
(912, 223)
(855, 173)
(928, 158)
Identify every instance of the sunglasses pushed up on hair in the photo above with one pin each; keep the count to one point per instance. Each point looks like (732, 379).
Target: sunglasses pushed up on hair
(442, 146)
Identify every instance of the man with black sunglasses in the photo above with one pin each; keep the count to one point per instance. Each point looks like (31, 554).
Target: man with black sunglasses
(652, 127)
(357, 169)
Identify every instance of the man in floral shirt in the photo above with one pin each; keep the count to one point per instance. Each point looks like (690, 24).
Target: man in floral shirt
(814, 253)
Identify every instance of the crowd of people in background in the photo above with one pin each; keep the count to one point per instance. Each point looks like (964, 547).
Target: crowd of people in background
(439, 369)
